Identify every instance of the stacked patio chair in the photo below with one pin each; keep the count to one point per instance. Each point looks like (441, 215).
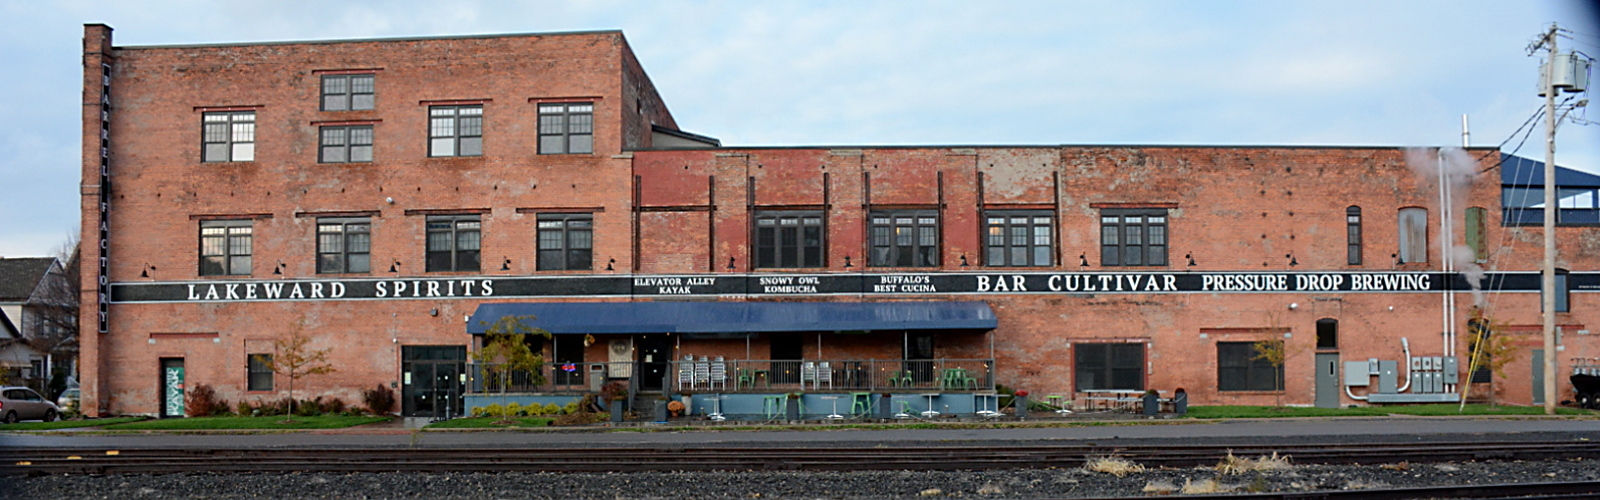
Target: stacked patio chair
(824, 375)
(702, 372)
(686, 373)
(719, 373)
(808, 373)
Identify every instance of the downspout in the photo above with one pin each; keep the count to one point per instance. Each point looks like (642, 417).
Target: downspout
(1406, 346)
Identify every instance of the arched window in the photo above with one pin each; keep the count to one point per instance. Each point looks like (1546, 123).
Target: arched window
(1352, 220)
(1327, 333)
(1413, 235)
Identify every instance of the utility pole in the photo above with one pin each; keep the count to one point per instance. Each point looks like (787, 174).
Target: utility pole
(1547, 285)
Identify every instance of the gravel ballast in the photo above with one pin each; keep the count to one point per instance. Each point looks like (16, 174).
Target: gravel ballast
(1001, 484)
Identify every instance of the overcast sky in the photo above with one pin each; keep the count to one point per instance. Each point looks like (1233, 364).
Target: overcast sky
(1386, 73)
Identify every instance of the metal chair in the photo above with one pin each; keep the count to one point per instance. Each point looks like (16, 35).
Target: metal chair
(719, 373)
(808, 373)
(686, 372)
(824, 375)
(702, 372)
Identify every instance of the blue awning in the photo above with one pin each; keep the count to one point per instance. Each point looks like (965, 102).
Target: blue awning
(747, 317)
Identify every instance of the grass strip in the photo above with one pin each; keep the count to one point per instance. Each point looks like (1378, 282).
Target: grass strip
(67, 424)
(1432, 410)
(273, 422)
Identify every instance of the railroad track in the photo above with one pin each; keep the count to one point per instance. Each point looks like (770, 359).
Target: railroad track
(36, 461)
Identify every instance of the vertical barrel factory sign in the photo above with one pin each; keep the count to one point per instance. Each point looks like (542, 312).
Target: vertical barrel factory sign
(103, 290)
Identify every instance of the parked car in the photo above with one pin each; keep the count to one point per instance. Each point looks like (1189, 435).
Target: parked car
(21, 403)
(68, 398)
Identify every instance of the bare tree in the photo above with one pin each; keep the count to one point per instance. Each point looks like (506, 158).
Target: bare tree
(293, 358)
(54, 307)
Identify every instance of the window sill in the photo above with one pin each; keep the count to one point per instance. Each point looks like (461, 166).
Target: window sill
(559, 271)
(343, 275)
(226, 163)
(470, 272)
(351, 163)
(566, 154)
(1231, 392)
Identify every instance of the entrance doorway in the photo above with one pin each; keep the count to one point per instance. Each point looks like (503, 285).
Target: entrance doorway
(655, 351)
(432, 380)
(787, 349)
(1327, 380)
(171, 387)
(918, 356)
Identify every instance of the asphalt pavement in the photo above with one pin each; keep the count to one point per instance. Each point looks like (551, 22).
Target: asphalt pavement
(1242, 432)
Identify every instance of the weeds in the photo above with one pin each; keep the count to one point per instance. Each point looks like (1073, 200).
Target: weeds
(1116, 466)
(1232, 465)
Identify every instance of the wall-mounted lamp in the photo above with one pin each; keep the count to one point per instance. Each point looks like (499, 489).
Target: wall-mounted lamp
(847, 262)
(278, 269)
(1397, 259)
(506, 266)
(963, 260)
(1294, 305)
(611, 265)
(1189, 256)
(1083, 260)
(146, 272)
(730, 264)
(1292, 261)
(395, 267)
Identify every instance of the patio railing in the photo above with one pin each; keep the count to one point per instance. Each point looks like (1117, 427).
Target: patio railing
(745, 375)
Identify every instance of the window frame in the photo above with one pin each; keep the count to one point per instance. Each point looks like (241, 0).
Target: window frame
(349, 229)
(229, 229)
(1353, 247)
(566, 225)
(1110, 367)
(887, 247)
(349, 94)
(1147, 249)
(458, 226)
(348, 137)
(773, 250)
(1032, 243)
(1327, 334)
(1411, 243)
(1251, 365)
(458, 134)
(561, 122)
(255, 368)
(236, 124)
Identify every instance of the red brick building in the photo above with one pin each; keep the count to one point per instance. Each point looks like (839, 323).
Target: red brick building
(373, 194)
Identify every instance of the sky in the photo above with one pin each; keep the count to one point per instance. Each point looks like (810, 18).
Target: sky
(752, 73)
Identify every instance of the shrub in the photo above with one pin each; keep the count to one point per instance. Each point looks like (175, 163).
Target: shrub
(570, 408)
(513, 409)
(494, 410)
(551, 409)
(202, 401)
(245, 408)
(334, 405)
(533, 410)
(378, 399)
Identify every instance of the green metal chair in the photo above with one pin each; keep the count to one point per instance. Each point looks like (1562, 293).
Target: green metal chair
(861, 404)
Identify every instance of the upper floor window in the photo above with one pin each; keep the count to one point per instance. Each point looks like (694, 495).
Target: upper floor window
(455, 130)
(344, 245)
(789, 239)
(229, 136)
(1524, 206)
(1413, 235)
(1476, 235)
(905, 238)
(453, 242)
(225, 247)
(346, 144)
(1352, 221)
(347, 92)
(1019, 238)
(566, 128)
(566, 242)
(1133, 237)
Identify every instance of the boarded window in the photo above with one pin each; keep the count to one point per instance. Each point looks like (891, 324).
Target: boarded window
(1475, 234)
(1413, 235)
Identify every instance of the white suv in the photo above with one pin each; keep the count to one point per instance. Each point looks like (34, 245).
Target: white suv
(21, 403)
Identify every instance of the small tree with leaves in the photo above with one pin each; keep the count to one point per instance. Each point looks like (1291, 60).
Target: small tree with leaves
(293, 358)
(1490, 350)
(505, 351)
(1276, 353)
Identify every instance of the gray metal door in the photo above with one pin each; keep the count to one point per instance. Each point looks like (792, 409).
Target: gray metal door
(1327, 380)
(1538, 376)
